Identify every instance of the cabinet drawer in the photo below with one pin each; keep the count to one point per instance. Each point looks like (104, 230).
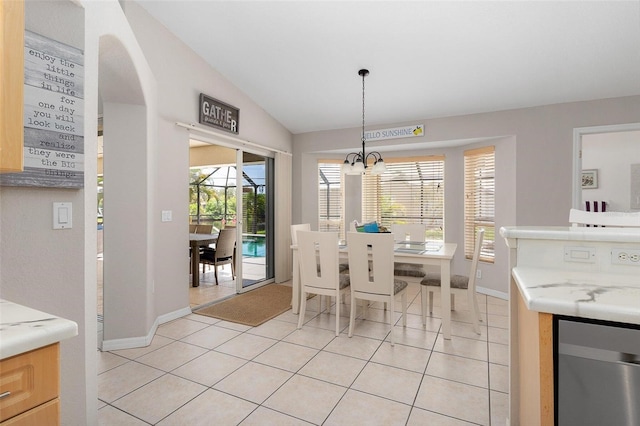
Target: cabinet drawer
(47, 414)
(28, 380)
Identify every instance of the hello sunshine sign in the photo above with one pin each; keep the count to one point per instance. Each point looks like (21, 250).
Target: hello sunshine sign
(416, 130)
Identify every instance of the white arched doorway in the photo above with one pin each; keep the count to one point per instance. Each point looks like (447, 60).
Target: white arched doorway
(128, 309)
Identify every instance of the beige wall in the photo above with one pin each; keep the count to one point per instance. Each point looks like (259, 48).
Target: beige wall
(178, 102)
(46, 269)
(55, 271)
(534, 173)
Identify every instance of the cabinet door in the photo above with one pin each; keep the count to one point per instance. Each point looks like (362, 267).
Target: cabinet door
(11, 85)
(45, 414)
(28, 380)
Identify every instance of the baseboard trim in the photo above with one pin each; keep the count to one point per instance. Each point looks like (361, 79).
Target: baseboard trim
(142, 341)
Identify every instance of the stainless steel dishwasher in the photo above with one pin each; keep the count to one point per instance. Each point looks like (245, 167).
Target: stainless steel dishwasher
(598, 373)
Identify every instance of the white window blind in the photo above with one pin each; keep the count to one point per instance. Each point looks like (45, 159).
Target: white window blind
(330, 204)
(479, 201)
(411, 190)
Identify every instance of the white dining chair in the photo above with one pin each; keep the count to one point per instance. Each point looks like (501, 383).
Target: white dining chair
(610, 218)
(373, 280)
(319, 270)
(409, 232)
(459, 284)
(294, 241)
(296, 228)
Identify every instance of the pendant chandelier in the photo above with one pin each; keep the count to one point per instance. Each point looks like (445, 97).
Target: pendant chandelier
(355, 163)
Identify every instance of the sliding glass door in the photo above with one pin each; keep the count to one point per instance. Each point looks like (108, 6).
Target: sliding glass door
(256, 220)
(231, 188)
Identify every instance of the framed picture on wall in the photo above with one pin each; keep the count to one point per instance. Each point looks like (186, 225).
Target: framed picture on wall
(590, 179)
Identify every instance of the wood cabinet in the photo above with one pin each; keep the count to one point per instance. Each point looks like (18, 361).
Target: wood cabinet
(532, 377)
(30, 388)
(11, 85)
(560, 271)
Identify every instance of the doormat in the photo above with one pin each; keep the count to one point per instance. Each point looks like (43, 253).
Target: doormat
(252, 308)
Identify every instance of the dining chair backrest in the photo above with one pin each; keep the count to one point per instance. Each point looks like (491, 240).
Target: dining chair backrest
(375, 277)
(412, 231)
(458, 284)
(474, 260)
(204, 228)
(296, 228)
(192, 228)
(610, 218)
(318, 254)
(225, 243)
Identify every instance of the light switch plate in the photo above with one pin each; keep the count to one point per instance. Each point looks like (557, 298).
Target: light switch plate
(580, 254)
(62, 216)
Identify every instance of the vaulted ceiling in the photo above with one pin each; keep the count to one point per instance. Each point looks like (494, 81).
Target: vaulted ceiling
(299, 60)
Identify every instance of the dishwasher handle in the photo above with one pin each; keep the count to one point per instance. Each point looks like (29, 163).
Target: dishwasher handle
(632, 360)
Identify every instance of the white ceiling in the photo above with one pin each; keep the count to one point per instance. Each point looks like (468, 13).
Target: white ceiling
(299, 60)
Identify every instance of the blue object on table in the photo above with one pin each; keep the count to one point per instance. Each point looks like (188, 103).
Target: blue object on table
(371, 227)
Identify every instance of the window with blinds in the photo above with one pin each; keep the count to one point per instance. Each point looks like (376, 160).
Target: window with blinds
(330, 217)
(479, 201)
(411, 190)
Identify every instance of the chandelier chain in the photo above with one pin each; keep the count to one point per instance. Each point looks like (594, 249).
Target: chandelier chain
(363, 138)
(358, 162)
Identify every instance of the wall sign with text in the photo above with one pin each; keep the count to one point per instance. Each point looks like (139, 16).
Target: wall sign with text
(416, 130)
(53, 115)
(218, 114)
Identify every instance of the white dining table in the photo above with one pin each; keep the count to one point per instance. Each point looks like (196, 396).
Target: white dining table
(434, 254)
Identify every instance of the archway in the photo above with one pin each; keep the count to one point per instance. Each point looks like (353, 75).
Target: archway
(127, 269)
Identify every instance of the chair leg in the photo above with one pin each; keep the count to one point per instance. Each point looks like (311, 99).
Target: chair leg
(431, 302)
(475, 310)
(393, 310)
(404, 309)
(215, 272)
(303, 309)
(352, 314)
(423, 303)
(337, 315)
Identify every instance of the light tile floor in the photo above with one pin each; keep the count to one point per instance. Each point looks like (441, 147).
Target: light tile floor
(253, 269)
(203, 371)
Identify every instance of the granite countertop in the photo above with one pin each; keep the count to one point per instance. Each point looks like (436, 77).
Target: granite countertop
(610, 297)
(588, 288)
(23, 329)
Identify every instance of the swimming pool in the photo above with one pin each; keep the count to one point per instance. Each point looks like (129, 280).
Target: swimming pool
(254, 247)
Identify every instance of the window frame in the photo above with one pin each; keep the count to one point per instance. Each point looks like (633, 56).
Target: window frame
(323, 220)
(479, 201)
(434, 233)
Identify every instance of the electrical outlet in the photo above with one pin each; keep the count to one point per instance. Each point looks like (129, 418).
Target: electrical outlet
(478, 274)
(625, 257)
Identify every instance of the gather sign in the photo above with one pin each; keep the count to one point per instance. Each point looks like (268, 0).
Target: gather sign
(220, 115)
